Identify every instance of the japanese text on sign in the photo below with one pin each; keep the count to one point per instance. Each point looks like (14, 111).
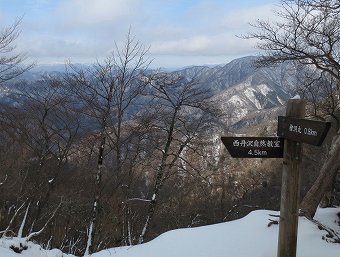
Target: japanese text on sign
(302, 130)
(306, 131)
(275, 143)
(254, 147)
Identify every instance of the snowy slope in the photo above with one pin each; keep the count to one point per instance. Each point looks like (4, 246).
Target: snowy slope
(245, 237)
(33, 250)
(249, 236)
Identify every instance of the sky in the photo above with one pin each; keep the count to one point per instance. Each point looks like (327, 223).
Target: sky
(177, 33)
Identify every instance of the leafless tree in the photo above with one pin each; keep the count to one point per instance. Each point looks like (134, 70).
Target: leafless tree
(11, 63)
(108, 91)
(181, 111)
(308, 32)
(43, 123)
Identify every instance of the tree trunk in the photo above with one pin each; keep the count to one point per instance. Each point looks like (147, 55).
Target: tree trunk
(96, 204)
(159, 180)
(323, 182)
(21, 229)
(151, 212)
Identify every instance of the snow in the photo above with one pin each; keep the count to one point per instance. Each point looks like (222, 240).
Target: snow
(264, 89)
(249, 92)
(296, 97)
(235, 99)
(89, 239)
(282, 102)
(238, 114)
(33, 250)
(4, 91)
(249, 236)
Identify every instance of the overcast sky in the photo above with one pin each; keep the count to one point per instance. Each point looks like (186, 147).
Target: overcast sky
(178, 32)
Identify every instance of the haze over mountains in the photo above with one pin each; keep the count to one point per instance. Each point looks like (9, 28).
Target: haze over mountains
(242, 88)
(238, 87)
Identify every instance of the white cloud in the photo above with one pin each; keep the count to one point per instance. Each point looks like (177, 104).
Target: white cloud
(221, 44)
(242, 18)
(218, 34)
(80, 13)
(87, 29)
(194, 44)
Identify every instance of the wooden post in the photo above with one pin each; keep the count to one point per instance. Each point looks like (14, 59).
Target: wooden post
(289, 215)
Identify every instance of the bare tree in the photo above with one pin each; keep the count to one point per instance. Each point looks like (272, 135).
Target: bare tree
(108, 91)
(43, 123)
(308, 32)
(181, 111)
(11, 63)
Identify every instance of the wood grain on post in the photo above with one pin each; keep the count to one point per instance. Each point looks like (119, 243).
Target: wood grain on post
(290, 188)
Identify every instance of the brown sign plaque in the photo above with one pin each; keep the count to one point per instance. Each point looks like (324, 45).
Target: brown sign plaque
(301, 130)
(254, 147)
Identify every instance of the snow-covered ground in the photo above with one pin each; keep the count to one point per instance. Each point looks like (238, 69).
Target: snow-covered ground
(246, 237)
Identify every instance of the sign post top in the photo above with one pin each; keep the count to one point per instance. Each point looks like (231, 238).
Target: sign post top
(302, 130)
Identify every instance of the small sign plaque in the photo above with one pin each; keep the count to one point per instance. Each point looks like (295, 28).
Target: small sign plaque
(301, 130)
(254, 147)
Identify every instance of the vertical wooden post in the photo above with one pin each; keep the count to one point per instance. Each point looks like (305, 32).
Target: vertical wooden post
(289, 215)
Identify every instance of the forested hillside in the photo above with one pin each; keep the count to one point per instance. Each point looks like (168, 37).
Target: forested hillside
(114, 153)
(128, 153)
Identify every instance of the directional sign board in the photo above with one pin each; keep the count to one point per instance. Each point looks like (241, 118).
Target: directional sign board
(301, 130)
(254, 147)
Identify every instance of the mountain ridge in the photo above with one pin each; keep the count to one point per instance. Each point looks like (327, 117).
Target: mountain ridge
(238, 87)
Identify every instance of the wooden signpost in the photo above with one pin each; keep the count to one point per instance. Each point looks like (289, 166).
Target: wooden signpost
(301, 130)
(254, 147)
(290, 187)
(293, 130)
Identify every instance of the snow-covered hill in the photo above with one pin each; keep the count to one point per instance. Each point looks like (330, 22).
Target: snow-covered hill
(249, 236)
(240, 88)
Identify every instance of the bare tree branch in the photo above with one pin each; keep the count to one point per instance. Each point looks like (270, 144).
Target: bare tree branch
(11, 63)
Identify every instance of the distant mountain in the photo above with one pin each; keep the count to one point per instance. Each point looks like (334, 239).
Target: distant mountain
(223, 76)
(240, 88)
(46, 69)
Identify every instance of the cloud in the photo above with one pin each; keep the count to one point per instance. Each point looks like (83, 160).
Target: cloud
(194, 44)
(82, 13)
(87, 29)
(243, 17)
(222, 44)
(217, 33)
